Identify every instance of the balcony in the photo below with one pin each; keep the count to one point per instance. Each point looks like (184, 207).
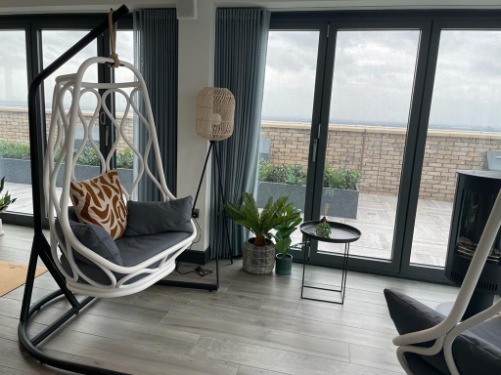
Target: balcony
(377, 153)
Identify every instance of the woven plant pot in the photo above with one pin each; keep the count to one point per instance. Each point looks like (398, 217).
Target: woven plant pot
(258, 260)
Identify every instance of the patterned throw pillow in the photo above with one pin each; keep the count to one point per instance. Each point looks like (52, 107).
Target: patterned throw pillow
(99, 201)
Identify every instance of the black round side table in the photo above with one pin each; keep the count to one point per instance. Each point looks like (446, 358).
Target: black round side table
(340, 233)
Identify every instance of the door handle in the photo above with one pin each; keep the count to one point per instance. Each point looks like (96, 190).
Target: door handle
(314, 151)
(102, 118)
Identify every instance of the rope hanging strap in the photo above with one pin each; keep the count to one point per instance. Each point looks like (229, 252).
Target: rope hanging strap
(113, 36)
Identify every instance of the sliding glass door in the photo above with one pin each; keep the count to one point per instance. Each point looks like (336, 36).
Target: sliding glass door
(399, 102)
(14, 132)
(54, 44)
(370, 102)
(287, 116)
(31, 44)
(464, 132)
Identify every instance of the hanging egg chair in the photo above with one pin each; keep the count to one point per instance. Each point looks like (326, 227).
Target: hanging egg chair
(103, 241)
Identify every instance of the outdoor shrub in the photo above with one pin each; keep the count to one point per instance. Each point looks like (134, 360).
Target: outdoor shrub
(341, 178)
(18, 150)
(88, 157)
(294, 174)
(125, 158)
(272, 172)
(14, 150)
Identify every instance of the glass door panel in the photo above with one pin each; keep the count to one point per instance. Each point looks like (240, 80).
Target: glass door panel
(291, 64)
(370, 101)
(463, 133)
(15, 163)
(54, 44)
(124, 155)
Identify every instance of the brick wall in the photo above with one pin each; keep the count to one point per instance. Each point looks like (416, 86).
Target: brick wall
(377, 152)
(14, 125)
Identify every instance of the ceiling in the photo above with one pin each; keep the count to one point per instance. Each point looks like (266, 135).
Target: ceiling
(67, 6)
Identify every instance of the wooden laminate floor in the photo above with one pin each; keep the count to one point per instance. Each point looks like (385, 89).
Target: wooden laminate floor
(252, 325)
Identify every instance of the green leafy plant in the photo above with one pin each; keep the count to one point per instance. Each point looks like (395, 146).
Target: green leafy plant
(295, 174)
(323, 229)
(18, 150)
(341, 178)
(285, 229)
(88, 157)
(6, 199)
(125, 159)
(272, 172)
(261, 223)
(14, 150)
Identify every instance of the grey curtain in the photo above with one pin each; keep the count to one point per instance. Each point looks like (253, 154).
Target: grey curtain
(240, 58)
(156, 56)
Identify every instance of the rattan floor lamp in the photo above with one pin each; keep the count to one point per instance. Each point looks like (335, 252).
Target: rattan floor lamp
(214, 122)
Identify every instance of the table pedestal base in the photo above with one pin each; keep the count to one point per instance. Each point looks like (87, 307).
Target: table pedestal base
(324, 289)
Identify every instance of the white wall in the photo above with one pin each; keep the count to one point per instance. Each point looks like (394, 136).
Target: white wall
(196, 56)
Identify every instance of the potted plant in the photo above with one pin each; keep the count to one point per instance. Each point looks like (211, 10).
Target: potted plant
(259, 251)
(323, 228)
(283, 239)
(5, 201)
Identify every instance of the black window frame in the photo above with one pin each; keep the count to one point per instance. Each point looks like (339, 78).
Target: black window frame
(33, 25)
(431, 23)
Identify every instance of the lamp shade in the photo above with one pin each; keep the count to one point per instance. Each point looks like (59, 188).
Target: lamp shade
(215, 113)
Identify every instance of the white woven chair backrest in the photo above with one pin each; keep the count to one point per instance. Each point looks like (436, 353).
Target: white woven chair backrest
(446, 331)
(63, 151)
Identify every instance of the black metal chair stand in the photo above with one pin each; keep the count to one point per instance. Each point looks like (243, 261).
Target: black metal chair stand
(40, 246)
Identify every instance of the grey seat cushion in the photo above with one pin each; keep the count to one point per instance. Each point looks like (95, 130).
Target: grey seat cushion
(477, 349)
(133, 250)
(420, 366)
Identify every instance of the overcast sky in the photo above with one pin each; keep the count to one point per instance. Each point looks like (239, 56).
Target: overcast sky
(373, 75)
(13, 82)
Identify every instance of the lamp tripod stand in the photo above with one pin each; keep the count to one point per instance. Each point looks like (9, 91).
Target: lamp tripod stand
(221, 193)
(214, 122)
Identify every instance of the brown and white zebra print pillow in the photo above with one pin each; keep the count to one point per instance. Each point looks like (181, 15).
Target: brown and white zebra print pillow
(100, 201)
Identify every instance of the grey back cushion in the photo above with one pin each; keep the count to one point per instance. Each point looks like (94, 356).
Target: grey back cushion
(95, 238)
(145, 218)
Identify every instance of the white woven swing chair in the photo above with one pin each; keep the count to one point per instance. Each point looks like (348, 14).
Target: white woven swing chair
(452, 345)
(86, 271)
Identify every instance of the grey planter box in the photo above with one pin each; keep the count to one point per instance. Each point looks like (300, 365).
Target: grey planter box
(342, 203)
(15, 170)
(19, 171)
